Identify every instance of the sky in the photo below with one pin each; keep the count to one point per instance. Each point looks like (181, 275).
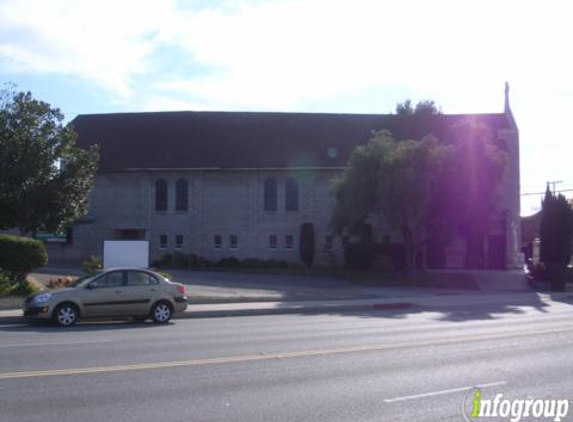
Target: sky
(333, 56)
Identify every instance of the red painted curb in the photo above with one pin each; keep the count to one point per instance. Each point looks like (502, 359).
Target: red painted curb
(394, 305)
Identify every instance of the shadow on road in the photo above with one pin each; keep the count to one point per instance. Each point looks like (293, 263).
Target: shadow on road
(454, 312)
(85, 326)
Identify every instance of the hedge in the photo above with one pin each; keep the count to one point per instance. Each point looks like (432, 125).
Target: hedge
(184, 261)
(20, 255)
(306, 246)
(361, 256)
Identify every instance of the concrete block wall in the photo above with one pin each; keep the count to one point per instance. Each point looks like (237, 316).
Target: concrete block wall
(225, 203)
(231, 203)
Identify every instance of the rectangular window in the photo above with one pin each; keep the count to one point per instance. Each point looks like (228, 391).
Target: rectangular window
(179, 241)
(129, 234)
(328, 242)
(217, 241)
(233, 241)
(291, 195)
(163, 241)
(273, 241)
(289, 241)
(139, 278)
(181, 195)
(270, 193)
(161, 195)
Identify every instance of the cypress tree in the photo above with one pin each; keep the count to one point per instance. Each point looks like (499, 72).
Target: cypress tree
(556, 233)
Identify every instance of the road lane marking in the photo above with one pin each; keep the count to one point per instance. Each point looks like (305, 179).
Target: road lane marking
(442, 392)
(60, 343)
(270, 356)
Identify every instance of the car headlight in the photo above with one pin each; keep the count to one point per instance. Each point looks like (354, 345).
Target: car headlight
(43, 298)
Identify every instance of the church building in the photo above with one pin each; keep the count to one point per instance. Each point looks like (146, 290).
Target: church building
(241, 184)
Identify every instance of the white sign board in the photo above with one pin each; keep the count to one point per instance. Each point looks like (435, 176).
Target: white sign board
(125, 253)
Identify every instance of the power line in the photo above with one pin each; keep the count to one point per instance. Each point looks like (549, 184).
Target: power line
(554, 182)
(543, 193)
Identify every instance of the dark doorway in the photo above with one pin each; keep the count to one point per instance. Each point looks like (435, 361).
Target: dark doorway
(435, 256)
(129, 234)
(474, 251)
(496, 252)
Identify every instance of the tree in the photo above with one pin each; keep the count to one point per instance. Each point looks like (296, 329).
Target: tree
(394, 181)
(20, 255)
(44, 178)
(425, 107)
(306, 244)
(425, 189)
(405, 108)
(556, 234)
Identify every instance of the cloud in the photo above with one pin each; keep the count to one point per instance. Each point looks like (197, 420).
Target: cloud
(282, 54)
(290, 55)
(102, 42)
(167, 103)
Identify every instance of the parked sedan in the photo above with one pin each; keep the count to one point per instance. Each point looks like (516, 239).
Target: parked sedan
(122, 292)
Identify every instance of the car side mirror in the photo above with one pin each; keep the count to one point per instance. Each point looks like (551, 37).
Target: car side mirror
(89, 287)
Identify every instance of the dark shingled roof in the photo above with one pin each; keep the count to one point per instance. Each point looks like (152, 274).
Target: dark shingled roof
(189, 139)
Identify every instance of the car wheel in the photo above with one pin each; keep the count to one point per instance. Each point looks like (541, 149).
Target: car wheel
(66, 315)
(161, 312)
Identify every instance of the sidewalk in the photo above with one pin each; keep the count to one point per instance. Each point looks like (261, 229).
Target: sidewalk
(504, 302)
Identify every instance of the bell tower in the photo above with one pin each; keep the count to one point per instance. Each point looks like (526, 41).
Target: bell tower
(510, 200)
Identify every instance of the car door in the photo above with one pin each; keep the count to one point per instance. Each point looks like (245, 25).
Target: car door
(105, 296)
(141, 289)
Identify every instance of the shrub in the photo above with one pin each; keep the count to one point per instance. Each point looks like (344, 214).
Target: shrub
(307, 244)
(538, 272)
(556, 274)
(5, 283)
(8, 288)
(20, 255)
(276, 263)
(329, 256)
(59, 282)
(230, 262)
(394, 251)
(182, 260)
(358, 256)
(254, 263)
(24, 289)
(92, 264)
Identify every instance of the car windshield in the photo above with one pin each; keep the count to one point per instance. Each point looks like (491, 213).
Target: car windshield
(84, 279)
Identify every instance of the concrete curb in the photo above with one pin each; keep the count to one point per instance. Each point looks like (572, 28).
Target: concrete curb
(316, 307)
(253, 309)
(9, 319)
(296, 309)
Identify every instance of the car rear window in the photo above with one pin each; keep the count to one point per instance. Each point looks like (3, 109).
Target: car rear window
(138, 278)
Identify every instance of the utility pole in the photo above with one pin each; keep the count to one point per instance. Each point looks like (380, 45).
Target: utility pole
(553, 183)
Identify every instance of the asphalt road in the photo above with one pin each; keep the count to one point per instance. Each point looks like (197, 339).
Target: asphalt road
(376, 366)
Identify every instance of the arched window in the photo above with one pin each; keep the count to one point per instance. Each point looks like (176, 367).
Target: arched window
(160, 195)
(181, 195)
(291, 195)
(270, 194)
